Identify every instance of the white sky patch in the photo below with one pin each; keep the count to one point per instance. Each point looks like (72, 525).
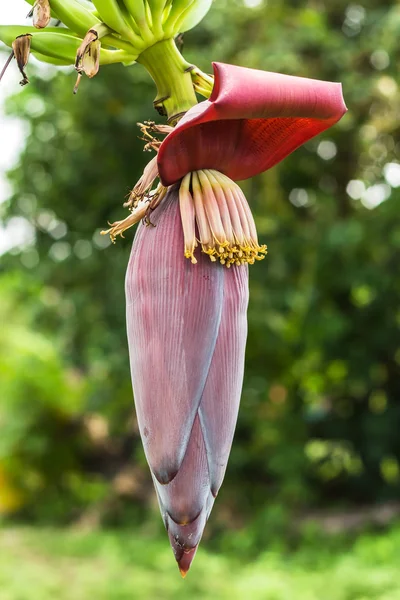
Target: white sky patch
(12, 131)
(18, 234)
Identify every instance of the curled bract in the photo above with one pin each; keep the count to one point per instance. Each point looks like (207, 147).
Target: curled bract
(252, 121)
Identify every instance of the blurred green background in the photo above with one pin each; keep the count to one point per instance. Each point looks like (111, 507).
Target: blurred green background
(310, 501)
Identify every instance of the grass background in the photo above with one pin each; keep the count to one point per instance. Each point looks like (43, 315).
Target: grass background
(45, 563)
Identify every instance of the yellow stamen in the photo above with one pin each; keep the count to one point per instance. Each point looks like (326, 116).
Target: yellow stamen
(226, 227)
(143, 199)
(188, 218)
(145, 184)
(201, 218)
(119, 227)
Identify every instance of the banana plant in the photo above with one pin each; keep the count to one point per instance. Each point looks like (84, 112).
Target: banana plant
(125, 29)
(187, 277)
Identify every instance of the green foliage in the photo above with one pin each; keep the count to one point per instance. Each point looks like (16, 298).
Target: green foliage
(320, 410)
(42, 564)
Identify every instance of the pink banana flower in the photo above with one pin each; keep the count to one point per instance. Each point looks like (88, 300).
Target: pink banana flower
(187, 322)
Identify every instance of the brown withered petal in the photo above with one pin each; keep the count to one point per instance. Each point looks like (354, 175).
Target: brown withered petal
(88, 57)
(41, 14)
(88, 54)
(22, 48)
(91, 59)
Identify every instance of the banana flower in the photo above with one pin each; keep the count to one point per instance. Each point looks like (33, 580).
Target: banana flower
(187, 278)
(187, 322)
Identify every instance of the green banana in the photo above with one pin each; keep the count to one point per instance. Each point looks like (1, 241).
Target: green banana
(157, 9)
(87, 4)
(74, 16)
(8, 33)
(128, 17)
(167, 10)
(193, 15)
(51, 60)
(61, 44)
(111, 15)
(178, 7)
(137, 9)
(77, 18)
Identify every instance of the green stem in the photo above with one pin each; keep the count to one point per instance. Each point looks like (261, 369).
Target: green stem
(171, 74)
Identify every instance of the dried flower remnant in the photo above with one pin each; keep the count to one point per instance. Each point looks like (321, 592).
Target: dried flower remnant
(22, 48)
(88, 57)
(41, 14)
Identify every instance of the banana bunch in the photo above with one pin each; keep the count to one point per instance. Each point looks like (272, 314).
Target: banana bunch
(101, 31)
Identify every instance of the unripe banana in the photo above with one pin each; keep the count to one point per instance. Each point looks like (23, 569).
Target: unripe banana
(112, 15)
(193, 15)
(128, 17)
(184, 15)
(8, 33)
(157, 10)
(79, 19)
(58, 62)
(137, 9)
(54, 43)
(74, 16)
(178, 7)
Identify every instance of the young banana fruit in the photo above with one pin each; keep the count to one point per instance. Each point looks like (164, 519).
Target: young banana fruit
(118, 30)
(79, 19)
(184, 15)
(59, 44)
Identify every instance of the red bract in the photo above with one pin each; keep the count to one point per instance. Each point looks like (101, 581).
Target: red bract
(187, 318)
(187, 334)
(252, 121)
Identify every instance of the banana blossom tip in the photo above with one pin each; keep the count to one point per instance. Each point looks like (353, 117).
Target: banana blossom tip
(187, 333)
